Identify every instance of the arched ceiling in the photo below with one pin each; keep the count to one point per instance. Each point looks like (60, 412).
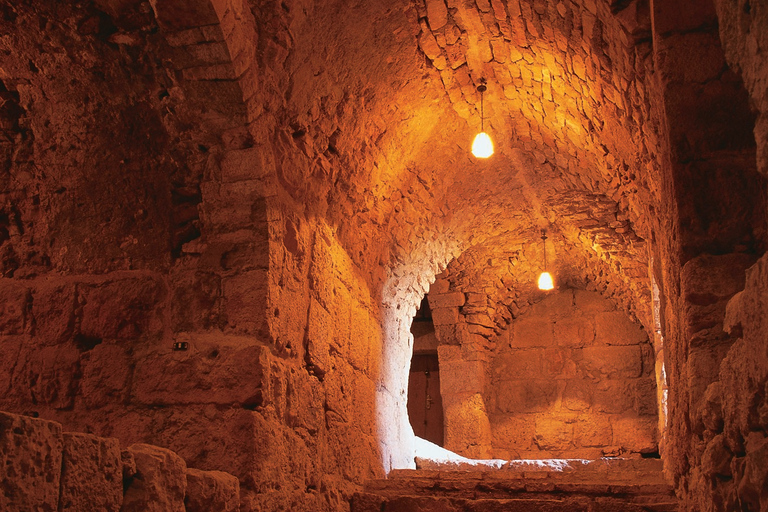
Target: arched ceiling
(368, 110)
(380, 106)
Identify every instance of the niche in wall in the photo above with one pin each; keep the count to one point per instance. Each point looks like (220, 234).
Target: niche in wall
(572, 378)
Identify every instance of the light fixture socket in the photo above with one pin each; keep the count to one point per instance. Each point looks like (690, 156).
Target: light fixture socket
(481, 88)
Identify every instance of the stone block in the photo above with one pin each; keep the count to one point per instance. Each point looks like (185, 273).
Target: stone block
(240, 251)
(467, 429)
(481, 319)
(30, 463)
(215, 369)
(160, 482)
(363, 329)
(246, 164)
(574, 332)
(228, 207)
(279, 447)
(591, 302)
(445, 316)
(519, 364)
(476, 300)
(10, 347)
(437, 14)
(594, 431)
(320, 330)
(557, 362)
(106, 372)
(53, 308)
(195, 301)
(577, 395)
(13, 306)
(558, 305)
(459, 376)
(50, 374)
(716, 459)
(646, 402)
(245, 302)
(123, 309)
(638, 435)
(613, 396)
(553, 434)
(92, 474)
(613, 362)
(439, 286)
(211, 490)
(528, 395)
(531, 332)
(196, 13)
(702, 369)
(616, 328)
(709, 278)
(446, 300)
(512, 433)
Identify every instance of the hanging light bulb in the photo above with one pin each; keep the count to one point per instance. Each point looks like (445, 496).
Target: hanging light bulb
(545, 279)
(482, 146)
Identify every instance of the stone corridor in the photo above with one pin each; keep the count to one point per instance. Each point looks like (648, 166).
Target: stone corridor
(227, 227)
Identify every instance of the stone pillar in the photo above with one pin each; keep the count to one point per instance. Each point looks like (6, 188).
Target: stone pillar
(462, 383)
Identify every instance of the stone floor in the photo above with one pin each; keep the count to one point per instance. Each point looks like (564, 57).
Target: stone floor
(606, 485)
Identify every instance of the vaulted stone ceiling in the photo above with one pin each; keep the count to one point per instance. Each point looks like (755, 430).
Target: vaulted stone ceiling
(369, 110)
(381, 101)
(372, 107)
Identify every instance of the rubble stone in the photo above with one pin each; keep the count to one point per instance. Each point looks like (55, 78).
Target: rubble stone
(211, 490)
(160, 481)
(30, 463)
(92, 474)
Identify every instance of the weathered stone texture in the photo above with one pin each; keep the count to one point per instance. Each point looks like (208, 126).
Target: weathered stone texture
(92, 474)
(578, 371)
(160, 481)
(30, 463)
(211, 490)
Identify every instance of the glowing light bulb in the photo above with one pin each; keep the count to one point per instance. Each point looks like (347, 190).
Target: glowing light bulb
(482, 147)
(545, 281)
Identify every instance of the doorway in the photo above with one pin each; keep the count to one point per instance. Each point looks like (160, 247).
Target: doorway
(425, 405)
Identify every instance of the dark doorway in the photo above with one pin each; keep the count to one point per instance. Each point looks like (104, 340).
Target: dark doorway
(425, 405)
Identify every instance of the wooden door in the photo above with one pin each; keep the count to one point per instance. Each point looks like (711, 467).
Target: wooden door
(425, 405)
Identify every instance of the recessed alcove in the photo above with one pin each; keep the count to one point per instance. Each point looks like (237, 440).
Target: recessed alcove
(571, 378)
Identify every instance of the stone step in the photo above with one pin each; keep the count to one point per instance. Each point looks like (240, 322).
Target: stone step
(594, 486)
(367, 502)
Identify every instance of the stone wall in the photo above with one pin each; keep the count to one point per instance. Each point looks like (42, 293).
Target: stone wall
(572, 378)
(44, 468)
(713, 155)
(119, 253)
